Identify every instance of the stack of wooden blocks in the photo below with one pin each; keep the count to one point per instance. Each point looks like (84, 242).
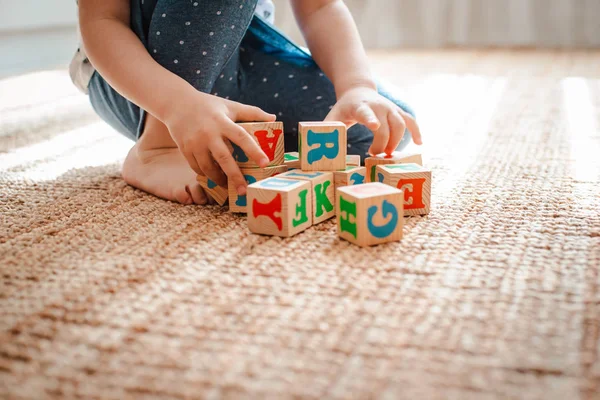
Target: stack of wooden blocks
(320, 181)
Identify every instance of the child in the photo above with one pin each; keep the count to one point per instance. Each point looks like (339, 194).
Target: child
(175, 76)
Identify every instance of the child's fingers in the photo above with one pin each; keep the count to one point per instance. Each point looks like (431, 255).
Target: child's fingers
(365, 115)
(412, 126)
(212, 170)
(397, 128)
(197, 194)
(239, 136)
(189, 156)
(338, 113)
(224, 158)
(252, 114)
(381, 136)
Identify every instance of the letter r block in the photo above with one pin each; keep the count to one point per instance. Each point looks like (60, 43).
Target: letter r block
(414, 180)
(369, 214)
(322, 146)
(269, 136)
(323, 192)
(280, 207)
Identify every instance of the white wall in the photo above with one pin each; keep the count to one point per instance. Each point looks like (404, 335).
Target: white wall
(36, 34)
(439, 23)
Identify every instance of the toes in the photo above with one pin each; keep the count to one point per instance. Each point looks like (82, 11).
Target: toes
(183, 196)
(197, 194)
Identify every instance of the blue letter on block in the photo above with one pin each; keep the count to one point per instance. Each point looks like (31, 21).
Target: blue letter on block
(329, 145)
(380, 177)
(238, 153)
(211, 184)
(276, 183)
(241, 200)
(386, 230)
(357, 178)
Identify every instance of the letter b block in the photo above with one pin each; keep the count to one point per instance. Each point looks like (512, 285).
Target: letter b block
(369, 214)
(280, 207)
(269, 136)
(323, 193)
(414, 180)
(322, 146)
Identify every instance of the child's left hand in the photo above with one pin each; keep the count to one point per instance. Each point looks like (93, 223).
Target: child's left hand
(388, 122)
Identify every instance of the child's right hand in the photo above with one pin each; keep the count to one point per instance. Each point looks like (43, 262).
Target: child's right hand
(202, 126)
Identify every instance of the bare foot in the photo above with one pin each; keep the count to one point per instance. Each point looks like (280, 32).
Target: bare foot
(165, 173)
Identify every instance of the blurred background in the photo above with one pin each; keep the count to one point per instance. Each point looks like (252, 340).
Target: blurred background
(38, 34)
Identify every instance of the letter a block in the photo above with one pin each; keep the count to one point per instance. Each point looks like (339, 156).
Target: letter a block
(369, 214)
(280, 207)
(269, 136)
(350, 176)
(215, 191)
(292, 160)
(397, 157)
(238, 203)
(414, 180)
(322, 146)
(323, 192)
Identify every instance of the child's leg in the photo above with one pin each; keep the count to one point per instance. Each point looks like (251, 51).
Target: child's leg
(298, 93)
(196, 40)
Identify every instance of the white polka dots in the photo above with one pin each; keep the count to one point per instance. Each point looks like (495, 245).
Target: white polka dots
(222, 76)
(277, 63)
(211, 33)
(157, 33)
(291, 76)
(164, 15)
(232, 26)
(204, 53)
(188, 23)
(349, 145)
(218, 12)
(195, 4)
(216, 64)
(230, 78)
(225, 46)
(197, 72)
(304, 87)
(264, 79)
(241, 6)
(321, 74)
(319, 97)
(181, 42)
(251, 63)
(276, 95)
(330, 107)
(176, 61)
(154, 51)
(280, 113)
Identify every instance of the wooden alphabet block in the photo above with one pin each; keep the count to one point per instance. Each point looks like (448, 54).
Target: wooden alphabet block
(323, 192)
(353, 159)
(238, 203)
(292, 160)
(414, 180)
(280, 207)
(369, 214)
(397, 157)
(350, 176)
(322, 146)
(269, 136)
(215, 191)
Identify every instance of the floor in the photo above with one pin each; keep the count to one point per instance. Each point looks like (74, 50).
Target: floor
(108, 292)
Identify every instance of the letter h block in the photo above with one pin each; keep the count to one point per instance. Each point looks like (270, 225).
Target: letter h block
(369, 214)
(238, 203)
(280, 207)
(212, 189)
(396, 157)
(269, 136)
(322, 146)
(414, 180)
(323, 192)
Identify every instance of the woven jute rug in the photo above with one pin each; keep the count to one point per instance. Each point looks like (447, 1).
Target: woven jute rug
(109, 293)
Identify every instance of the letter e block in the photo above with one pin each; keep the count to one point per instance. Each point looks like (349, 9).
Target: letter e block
(369, 214)
(269, 136)
(215, 191)
(322, 146)
(280, 207)
(238, 203)
(397, 157)
(350, 176)
(414, 180)
(323, 192)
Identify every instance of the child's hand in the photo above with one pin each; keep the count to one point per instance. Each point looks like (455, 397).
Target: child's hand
(202, 126)
(365, 106)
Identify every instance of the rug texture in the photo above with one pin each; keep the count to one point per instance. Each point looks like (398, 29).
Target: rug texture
(107, 292)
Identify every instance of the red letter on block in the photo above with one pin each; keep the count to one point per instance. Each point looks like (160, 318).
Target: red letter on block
(413, 192)
(268, 144)
(269, 210)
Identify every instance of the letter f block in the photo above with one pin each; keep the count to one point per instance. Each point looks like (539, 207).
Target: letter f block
(369, 214)
(322, 146)
(280, 207)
